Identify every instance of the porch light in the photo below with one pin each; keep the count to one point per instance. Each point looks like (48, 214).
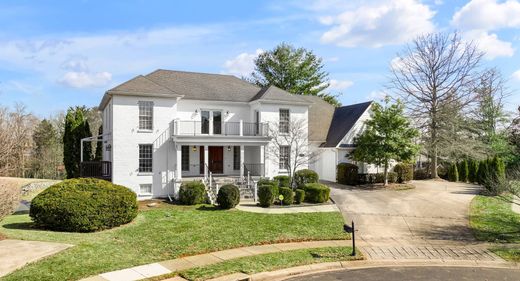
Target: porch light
(194, 148)
(227, 113)
(229, 148)
(108, 147)
(196, 111)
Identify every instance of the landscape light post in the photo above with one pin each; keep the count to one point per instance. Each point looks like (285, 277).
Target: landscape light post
(351, 229)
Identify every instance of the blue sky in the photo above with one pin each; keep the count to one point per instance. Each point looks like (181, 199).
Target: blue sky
(55, 54)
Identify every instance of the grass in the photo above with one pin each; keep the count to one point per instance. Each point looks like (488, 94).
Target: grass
(493, 220)
(165, 233)
(266, 262)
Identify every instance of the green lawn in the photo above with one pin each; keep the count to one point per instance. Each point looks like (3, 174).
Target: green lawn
(493, 220)
(162, 234)
(267, 262)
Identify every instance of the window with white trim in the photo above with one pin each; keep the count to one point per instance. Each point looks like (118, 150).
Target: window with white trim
(283, 125)
(285, 154)
(145, 188)
(146, 115)
(145, 158)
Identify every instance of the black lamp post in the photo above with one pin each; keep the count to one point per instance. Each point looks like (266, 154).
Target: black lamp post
(351, 229)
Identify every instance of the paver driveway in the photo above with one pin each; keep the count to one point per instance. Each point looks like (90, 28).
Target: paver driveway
(428, 222)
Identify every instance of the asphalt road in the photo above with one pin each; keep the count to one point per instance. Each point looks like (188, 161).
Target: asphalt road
(416, 274)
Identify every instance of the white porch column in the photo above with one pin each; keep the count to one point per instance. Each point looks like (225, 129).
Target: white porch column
(206, 161)
(262, 158)
(178, 162)
(241, 161)
(241, 127)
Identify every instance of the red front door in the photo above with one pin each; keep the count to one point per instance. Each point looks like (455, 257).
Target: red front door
(215, 161)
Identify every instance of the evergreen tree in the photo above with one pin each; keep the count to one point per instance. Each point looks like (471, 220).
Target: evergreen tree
(296, 70)
(463, 171)
(473, 170)
(453, 173)
(497, 168)
(99, 146)
(388, 136)
(483, 172)
(76, 128)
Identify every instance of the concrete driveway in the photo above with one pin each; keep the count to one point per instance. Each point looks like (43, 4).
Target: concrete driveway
(436, 210)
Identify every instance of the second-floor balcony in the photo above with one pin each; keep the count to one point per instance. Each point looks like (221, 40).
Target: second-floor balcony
(205, 128)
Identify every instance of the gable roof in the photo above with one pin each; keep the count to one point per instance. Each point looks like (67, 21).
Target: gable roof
(273, 93)
(342, 122)
(320, 117)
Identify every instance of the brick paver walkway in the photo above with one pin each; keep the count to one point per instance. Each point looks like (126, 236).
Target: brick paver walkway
(165, 267)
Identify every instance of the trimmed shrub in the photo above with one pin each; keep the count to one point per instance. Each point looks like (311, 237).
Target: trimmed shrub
(378, 178)
(473, 171)
(497, 168)
(392, 177)
(192, 193)
(83, 205)
(316, 192)
(299, 196)
(442, 171)
(453, 173)
(9, 198)
(283, 181)
(288, 195)
(273, 183)
(228, 196)
(266, 195)
(347, 173)
(463, 170)
(305, 176)
(404, 172)
(421, 174)
(483, 171)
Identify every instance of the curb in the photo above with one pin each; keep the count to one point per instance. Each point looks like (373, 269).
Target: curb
(304, 270)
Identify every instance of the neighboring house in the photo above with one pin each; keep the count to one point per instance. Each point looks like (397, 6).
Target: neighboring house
(169, 126)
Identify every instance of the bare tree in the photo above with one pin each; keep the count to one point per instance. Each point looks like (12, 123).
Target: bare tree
(433, 74)
(294, 138)
(15, 136)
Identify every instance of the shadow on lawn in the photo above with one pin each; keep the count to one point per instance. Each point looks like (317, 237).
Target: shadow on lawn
(21, 226)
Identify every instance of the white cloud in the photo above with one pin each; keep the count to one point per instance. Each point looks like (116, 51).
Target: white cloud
(488, 15)
(478, 18)
(377, 95)
(243, 64)
(378, 23)
(516, 75)
(83, 79)
(490, 44)
(339, 85)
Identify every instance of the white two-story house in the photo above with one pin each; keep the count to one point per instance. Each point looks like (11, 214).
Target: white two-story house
(169, 126)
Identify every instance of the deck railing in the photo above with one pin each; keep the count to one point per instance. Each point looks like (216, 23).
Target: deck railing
(96, 169)
(198, 128)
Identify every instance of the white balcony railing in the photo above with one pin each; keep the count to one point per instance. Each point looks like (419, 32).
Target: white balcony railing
(198, 128)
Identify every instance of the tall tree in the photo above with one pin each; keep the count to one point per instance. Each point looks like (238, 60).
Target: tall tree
(76, 128)
(46, 145)
(434, 72)
(296, 70)
(388, 136)
(98, 155)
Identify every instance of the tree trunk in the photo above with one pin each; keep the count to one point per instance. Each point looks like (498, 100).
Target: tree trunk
(386, 173)
(433, 162)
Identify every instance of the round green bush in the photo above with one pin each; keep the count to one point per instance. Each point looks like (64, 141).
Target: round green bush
(83, 205)
(228, 196)
(305, 176)
(288, 195)
(192, 193)
(273, 183)
(316, 192)
(266, 195)
(283, 181)
(392, 177)
(347, 173)
(299, 196)
(421, 174)
(404, 172)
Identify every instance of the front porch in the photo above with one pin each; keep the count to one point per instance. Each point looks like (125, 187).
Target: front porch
(232, 161)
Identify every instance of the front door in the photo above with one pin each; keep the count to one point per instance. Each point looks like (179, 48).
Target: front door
(216, 159)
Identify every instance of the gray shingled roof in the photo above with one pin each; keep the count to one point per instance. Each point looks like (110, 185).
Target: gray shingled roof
(320, 117)
(273, 93)
(205, 86)
(342, 122)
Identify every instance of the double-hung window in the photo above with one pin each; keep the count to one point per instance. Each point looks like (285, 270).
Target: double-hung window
(285, 154)
(145, 158)
(283, 126)
(145, 115)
